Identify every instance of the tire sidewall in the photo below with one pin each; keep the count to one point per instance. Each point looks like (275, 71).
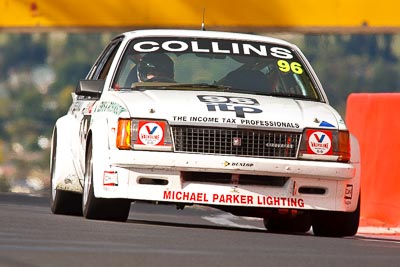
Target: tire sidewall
(53, 173)
(88, 182)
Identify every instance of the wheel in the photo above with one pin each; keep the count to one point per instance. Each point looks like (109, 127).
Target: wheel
(100, 208)
(301, 223)
(61, 202)
(336, 224)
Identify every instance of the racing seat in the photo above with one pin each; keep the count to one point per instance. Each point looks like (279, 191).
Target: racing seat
(132, 77)
(246, 79)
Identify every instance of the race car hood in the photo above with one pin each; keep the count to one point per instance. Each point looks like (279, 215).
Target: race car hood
(229, 109)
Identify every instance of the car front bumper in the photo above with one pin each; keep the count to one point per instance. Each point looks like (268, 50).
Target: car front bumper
(336, 184)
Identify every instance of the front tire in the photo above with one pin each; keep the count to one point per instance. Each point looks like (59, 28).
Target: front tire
(335, 223)
(100, 208)
(61, 202)
(301, 223)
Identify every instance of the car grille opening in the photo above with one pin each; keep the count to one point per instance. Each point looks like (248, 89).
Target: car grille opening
(152, 181)
(312, 190)
(228, 178)
(277, 181)
(238, 142)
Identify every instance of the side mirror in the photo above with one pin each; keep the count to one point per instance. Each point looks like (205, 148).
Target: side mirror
(90, 88)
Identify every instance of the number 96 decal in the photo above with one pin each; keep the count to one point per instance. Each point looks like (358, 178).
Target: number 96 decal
(285, 66)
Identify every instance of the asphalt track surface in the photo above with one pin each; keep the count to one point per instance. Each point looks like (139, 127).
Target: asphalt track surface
(160, 235)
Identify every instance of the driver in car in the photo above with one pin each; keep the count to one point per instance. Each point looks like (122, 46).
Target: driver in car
(155, 67)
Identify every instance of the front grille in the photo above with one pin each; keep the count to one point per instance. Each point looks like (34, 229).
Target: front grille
(238, 142)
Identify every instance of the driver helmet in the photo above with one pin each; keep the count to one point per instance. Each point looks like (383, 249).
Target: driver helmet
(155, 66)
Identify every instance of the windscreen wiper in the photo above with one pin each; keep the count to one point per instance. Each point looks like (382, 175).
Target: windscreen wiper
(201, 86)
(190, 86)
(290, 95)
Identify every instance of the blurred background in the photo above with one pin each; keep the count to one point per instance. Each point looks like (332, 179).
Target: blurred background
(47, 46)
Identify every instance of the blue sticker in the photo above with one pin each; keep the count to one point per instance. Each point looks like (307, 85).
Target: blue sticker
(326, 124)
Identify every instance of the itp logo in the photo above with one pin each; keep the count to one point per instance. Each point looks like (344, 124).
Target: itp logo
(319, 142)
(239, 105)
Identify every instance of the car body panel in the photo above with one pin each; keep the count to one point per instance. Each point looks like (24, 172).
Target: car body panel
(167, 176)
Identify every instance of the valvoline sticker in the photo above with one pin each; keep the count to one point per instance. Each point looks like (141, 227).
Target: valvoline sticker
(151, 133)
(319, 142)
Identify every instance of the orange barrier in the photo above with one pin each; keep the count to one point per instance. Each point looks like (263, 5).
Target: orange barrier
(374, 120)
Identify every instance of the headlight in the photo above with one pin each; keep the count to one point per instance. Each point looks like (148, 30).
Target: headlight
(141, 134)
(318, 144)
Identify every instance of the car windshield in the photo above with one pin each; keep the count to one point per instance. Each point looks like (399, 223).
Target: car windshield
(214, 64)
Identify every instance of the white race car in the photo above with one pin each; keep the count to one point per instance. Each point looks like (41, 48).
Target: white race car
(233, 121)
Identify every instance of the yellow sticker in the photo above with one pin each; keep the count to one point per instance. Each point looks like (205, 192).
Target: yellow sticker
(285, 66)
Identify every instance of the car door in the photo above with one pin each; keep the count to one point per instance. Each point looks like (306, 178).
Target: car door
(84, 105)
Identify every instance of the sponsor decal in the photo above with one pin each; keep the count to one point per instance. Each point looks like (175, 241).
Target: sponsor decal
(238, 164)
(348, 194)
(285, 66)
(112, 107)
(151, 133)
(319, 142)
(110, 178)
(239, 105)
(204, 119)
(213, 46)
(279, 124)
(326, 124)
(288, 145)
(236, 141)
(234, 188)
(180, 118)
(218, 198)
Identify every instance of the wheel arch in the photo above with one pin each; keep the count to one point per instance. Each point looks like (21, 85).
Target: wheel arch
(356, 162)
(88, 140)
(354, 149)
(65, 176)
(98, 137)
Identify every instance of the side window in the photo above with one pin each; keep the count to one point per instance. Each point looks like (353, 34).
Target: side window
(107, 64)
(102, 66)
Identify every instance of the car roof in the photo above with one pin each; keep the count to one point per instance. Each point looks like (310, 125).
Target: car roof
(205, 34)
